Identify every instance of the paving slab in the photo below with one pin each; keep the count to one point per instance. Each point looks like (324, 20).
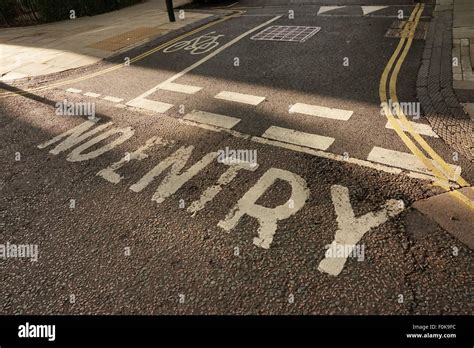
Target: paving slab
(451, 214)
(48, 47)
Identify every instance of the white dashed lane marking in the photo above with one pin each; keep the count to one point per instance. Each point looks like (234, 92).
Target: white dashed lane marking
(291, 136)
(369, 9)
(402, 160)
(240, 98)
(321, 111)
(324, 9)
(74, 90)
(113, 99)
(150, 105)
(208, 118)
(420, 128)
(92, 95)
(180, 88)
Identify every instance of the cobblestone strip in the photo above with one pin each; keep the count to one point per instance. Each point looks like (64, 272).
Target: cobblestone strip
(435, 91)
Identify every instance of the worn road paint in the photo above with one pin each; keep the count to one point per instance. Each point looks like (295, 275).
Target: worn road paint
(402, 160)
(211, 192)
(173, 180)
(205, 59)
(180, 88)
(351, 229)
(291, 136)
(110, 174)
(240, 98)
(150, 105)
(420, 128)
(369, 9)
(268, 217)
(77, 154)
(74, 136)
(324, 9)
(321, 111)
(212, 119)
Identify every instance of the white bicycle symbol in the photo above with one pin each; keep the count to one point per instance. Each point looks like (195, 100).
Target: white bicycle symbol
(199, 45)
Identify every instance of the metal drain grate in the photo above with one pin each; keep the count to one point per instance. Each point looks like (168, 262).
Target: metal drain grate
(286, 33)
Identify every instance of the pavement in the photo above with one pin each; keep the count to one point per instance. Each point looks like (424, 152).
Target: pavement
(233, 168)
(51, 48)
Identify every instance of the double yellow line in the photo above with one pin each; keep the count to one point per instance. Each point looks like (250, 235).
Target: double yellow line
(121, 65)
(443, 172)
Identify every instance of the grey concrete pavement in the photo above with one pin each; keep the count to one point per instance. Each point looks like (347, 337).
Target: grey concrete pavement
(56, 47)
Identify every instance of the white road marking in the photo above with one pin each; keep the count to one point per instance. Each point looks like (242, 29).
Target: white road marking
(205, 59)
(268, 217)
(178, 87)
(324, 9)
(370, 9)
(321, 111)
(352, 229)
(402, 160)
(73, 90)
(420, 128)
(113, 99)
(110, 174)
(74, 136)
(212, 119)
(77, 154)
(321, 154)
(151, 105)
(120, 106)
(92, 95)
(240, 98)
(174, 179)
(211, 192)
(291, 136)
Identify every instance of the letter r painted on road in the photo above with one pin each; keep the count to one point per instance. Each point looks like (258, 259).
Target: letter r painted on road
(268, 217)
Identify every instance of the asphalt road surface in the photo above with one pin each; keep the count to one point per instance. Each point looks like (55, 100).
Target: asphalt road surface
(222, 174)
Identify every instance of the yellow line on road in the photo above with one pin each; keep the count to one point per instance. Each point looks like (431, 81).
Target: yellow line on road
(408, 33)
(121, 65)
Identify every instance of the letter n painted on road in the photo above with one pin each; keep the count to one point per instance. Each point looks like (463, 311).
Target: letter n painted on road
(268, 217)
(173, 180)
(74, 136)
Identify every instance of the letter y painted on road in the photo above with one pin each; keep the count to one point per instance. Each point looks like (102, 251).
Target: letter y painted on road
(352, 229)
